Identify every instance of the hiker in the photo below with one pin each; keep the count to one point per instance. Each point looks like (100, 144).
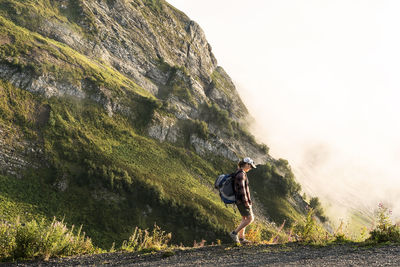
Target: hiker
(243, 200)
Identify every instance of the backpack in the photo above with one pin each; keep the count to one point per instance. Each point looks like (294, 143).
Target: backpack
(225, 185)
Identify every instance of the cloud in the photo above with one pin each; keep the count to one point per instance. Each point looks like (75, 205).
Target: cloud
(321, 80)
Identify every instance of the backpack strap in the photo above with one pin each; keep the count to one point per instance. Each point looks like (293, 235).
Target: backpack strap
(237, 172)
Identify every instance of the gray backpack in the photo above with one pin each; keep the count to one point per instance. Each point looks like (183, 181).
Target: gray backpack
(225, 185)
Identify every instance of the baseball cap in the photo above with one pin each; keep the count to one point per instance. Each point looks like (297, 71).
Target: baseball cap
(249, 161)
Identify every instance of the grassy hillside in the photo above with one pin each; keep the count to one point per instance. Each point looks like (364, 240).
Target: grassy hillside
(116, 178)
(102, 174)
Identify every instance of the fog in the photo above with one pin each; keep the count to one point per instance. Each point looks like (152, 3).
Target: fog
(321, 78)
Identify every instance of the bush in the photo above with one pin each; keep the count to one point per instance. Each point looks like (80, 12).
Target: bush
(7, 241)
(312, 232)
(385, 230)
(278, 178)
(149, 241)
(41, 240)
(212, 113)
(155, 5)
(111, 176)
(201, 128)
(315, 204)
(144, 111)
(290, 186)
(254, 233)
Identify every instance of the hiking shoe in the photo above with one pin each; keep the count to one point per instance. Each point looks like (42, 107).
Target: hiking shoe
(234, 237)
(244, 241)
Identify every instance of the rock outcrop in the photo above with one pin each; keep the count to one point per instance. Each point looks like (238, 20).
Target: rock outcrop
(17, 154)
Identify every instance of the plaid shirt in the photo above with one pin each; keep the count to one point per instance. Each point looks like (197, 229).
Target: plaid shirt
(242, 189)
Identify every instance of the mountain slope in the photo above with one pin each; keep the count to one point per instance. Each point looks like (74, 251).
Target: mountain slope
(115, 114)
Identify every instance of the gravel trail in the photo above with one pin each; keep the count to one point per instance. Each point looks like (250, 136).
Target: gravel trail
(260, 255)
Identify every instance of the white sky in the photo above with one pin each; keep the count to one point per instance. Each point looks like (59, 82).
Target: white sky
(321, 78)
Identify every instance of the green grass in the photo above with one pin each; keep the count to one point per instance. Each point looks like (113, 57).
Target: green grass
(31, 14)
(41, 240)
(62, 61)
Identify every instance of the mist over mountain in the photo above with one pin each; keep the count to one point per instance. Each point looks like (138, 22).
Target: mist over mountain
(318, 84)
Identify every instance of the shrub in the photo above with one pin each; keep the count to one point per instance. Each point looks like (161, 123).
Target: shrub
(212, 113)
(385, 230)
(144, 111)
(312, 232)
(340, 236)
(290, 186)
(111, 176)
(7, 240)
(254, 233)
(178, 84)
(200, 128)
(155, 5)
(149, 241)
(315, 204)
(265, 148)
(41, 240)
(279, 179)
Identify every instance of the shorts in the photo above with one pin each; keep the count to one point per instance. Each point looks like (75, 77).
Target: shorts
(244, 211)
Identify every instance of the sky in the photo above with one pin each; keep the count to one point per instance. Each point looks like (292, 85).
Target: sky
(321, 78)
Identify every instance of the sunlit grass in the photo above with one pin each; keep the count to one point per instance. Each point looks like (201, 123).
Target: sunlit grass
(41, 240)
(145, 240)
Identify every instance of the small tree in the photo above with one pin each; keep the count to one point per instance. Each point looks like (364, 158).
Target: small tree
(385, 230)
(315, 204)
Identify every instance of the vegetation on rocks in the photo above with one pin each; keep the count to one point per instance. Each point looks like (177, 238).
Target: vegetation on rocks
(88, 150)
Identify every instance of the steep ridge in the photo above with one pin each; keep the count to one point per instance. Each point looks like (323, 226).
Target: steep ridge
(115, 113)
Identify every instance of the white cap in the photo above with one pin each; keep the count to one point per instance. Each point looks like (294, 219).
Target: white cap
(249, 161)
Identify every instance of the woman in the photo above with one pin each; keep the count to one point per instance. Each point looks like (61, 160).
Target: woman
(243, 200)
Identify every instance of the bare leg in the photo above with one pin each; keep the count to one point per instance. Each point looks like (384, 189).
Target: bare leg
(242, 232)
(245, 221)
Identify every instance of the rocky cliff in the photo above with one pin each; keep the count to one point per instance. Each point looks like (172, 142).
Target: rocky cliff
(147, 46)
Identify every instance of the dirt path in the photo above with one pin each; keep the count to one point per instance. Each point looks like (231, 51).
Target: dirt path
(261, 255)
